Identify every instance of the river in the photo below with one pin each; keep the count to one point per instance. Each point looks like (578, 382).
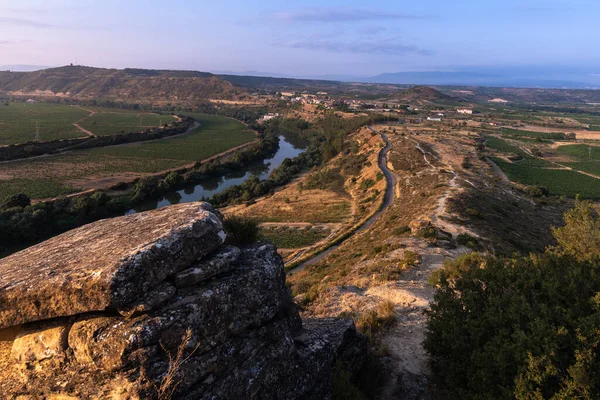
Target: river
(289, 147)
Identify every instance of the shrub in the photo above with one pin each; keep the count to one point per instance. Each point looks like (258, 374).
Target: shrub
(472, 212)
(466, 163)
(374, 320)
(429, 232)
(241, 230)
(524, 327)
(16, 200)
(464, 239)
(401, 230)
(367, 183)
(537, 191)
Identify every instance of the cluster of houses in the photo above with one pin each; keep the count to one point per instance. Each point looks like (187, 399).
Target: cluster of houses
(267, 117)
(437, 117)
(304, 98)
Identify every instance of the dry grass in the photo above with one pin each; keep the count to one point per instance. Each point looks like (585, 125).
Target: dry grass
(170, 381)
(377, 319)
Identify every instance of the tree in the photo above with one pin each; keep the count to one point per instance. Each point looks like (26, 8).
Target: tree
(580, 236)
(16, 200)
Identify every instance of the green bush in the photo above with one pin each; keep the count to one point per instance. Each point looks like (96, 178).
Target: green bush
(524, 327)
(241, 231)
(464, 239)
(401, 230)
(16, 200)
(429, 232)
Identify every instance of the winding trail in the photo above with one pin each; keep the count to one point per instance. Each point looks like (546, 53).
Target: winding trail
(390, 179)
(76, 123)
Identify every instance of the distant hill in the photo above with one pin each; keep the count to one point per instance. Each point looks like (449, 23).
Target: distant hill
(491, 77)
(422, 93)
(122, 85)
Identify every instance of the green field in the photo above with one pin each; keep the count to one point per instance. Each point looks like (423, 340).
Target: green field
(68, 172)
(558, 182)
(18, 122)
(585, 158)
(580, 152)
(109, 122)
(293, 238)
(502, 145)
(215, 135)
(517, 133)
(55, 121)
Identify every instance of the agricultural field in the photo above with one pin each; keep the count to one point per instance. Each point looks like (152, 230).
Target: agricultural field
(18, 122)
(110, 122)
(561, 182)
(518, 133)
(558, 180)
(285, 237)
(101, 167)
(583, 157)
(581, 152)
(502, 145)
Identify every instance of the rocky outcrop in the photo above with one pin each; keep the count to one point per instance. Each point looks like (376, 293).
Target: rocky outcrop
(155, 305)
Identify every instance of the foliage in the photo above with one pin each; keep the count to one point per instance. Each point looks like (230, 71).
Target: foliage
(241, 230)
(523, 327)
(464, 239)
(517, 133)
(580, 236)
(16, 200)
(325, 179)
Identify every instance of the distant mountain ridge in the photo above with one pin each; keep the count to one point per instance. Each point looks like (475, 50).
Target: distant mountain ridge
(121, 85)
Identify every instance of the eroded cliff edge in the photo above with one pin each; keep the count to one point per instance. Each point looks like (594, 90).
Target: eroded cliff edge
(155, 305)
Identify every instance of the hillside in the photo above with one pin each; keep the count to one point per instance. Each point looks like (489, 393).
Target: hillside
(125, 85)
(422, 93)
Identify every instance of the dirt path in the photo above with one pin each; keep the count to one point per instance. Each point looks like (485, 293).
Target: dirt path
(76, 123)
(412, 294)
(388, 200)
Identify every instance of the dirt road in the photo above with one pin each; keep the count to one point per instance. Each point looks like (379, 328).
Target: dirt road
(388, 200)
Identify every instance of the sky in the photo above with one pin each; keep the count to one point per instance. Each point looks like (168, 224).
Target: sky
(304, 38)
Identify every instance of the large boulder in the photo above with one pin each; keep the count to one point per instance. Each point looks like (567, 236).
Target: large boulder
(171, 313)
(106, 264)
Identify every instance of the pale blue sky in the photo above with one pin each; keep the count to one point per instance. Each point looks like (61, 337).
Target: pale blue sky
(353, 37)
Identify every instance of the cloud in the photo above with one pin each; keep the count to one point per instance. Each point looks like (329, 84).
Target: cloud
(24, 22)
(338, 15)
(381, 47)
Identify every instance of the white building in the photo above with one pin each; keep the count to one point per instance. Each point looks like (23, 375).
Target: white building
(464, 111)
(267, 117)
(434, 119)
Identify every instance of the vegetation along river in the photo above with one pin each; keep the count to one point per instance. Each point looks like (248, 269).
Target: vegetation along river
(288, 148)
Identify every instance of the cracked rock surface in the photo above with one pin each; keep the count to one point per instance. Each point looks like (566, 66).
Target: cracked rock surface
(126, 307)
